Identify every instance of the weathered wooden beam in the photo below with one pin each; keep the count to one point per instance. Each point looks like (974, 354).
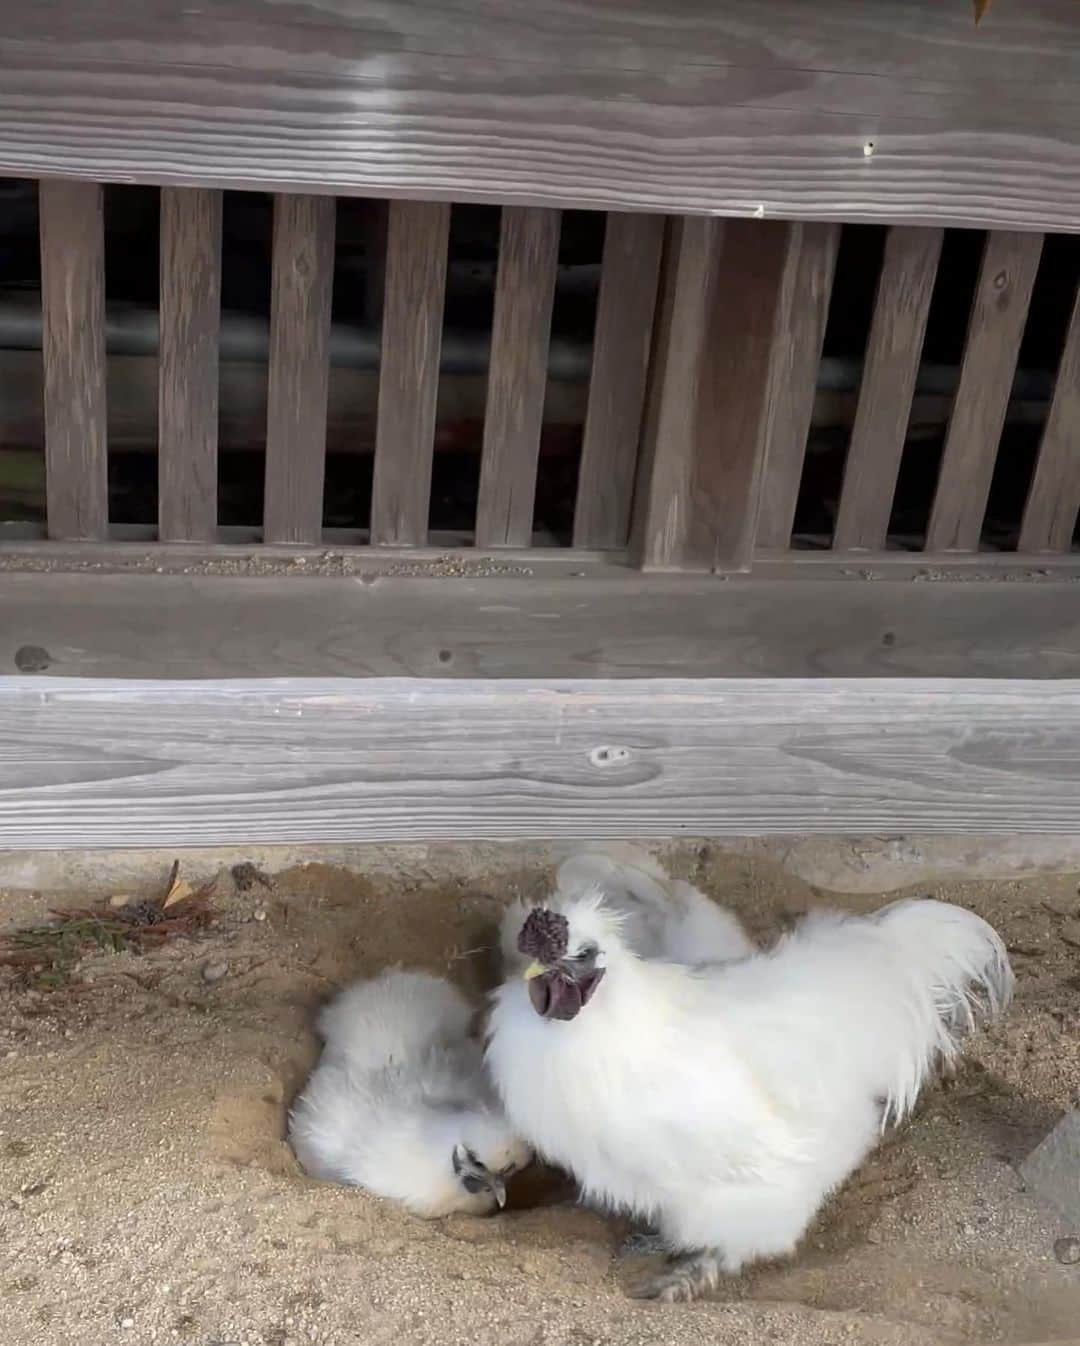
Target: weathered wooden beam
(800, 331)
(188, 364)
(415, 287)
(893, 351)
(517, 378)
(834, 110)
(98, 763)
(996, 327)
(566, 619)
(713, 386)
(301, 296)
(73, 352)
(622, 343)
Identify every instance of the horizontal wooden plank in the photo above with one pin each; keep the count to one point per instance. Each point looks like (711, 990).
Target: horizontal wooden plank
(467, 618)
(829, 111)
(101, 763)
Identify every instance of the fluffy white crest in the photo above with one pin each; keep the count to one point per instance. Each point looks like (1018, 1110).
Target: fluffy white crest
(658, 917)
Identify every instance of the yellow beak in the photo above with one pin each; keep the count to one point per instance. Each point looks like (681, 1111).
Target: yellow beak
(534, 969)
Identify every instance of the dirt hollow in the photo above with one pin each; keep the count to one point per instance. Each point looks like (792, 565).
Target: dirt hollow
(146, 1194)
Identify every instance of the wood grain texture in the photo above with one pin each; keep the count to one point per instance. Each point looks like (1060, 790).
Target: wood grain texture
(669, 438)
(679, 107)
(800, 331)
(253, 762)
(415, 285)
(996, 327)
(625, 311)
(73, 354)
(893, 351)
(517, 377)
(1053, 501)
(299, 367)
(189, 319)
(713, 382)
(580, 622)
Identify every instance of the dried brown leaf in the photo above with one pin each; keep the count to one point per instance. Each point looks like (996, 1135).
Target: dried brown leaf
(981, 6)
(179, 889)
(179, 892)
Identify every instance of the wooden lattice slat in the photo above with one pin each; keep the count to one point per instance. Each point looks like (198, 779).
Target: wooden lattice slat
(1054, 497)
(73, 350)
(188, 376)
(901, 308)
(800, 331)
(625, 310)
(415, 284)
(517, 378)
(998, 316)
(301, 294)
(708, 425)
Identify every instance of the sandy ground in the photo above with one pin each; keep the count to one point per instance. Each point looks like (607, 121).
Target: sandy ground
(146, 1194)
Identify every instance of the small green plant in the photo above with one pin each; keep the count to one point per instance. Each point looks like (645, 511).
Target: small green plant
(46, 954)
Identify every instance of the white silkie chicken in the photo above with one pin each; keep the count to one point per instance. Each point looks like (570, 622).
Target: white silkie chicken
(722, 1104)
(400, 1104)
(660, 917)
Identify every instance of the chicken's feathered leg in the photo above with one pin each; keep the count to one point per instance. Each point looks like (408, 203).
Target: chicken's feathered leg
(644, 1243)
(686, 1278)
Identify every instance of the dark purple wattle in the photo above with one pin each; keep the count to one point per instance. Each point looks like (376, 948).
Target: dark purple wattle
(555, 994)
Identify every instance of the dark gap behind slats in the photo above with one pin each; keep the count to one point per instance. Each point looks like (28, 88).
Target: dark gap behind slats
(359, 254)
(459, 416)
(946, 329)
(573, 319)
(132, 240)
(1040, 353)
(246, 264)
(22, 430)
(851, 309)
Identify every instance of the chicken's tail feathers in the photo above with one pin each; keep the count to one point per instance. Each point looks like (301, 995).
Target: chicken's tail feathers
(957, 968)
(662, 917)
(619, 868)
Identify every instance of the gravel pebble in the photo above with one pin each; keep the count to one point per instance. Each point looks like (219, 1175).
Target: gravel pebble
(1067, 1251)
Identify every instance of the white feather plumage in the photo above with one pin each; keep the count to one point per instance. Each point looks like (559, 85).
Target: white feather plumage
(723, 1104)
(399, 1088)
(661, 917)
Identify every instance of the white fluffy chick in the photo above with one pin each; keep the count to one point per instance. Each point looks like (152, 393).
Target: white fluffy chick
(722, 1104)
(400, 1104)
(661, 917)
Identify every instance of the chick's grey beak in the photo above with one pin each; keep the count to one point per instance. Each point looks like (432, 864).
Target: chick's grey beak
(498, 1191)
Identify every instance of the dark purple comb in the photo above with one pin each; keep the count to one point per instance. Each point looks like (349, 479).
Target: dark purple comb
(544, 936)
